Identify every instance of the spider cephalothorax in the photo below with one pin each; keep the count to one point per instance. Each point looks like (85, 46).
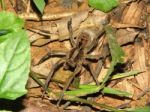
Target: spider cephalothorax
(76, 58)
(77, 55)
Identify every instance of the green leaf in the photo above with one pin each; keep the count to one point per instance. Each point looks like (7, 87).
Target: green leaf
(140, 109)
(10, 22)
(126, 74)
(15, 63)
(103, 5)
(89, 89)
(83, 90)
(4, 32)
(40, 4)
(116, 51)
(14, 58)
(108, 90)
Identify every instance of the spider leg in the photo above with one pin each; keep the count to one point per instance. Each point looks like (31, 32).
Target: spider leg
(57, 65)
(77, 71)
(72, 41)
(94, 42)
(95, 72)
(50, 54)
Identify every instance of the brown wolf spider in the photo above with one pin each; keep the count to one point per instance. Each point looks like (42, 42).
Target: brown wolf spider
(74, 59)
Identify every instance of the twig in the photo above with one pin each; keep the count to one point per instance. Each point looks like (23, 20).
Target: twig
(127, 104)
(33, 16)
(143, 93)
(96, 104)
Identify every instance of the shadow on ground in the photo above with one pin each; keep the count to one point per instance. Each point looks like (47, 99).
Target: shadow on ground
(11, 105)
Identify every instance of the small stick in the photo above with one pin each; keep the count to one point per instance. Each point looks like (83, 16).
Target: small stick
(33, 16)
(143, 93)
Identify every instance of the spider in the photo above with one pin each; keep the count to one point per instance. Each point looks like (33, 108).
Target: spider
(79, 56)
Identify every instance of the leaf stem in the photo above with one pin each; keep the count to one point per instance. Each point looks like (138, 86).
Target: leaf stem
(96, 104)
(3, 5)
